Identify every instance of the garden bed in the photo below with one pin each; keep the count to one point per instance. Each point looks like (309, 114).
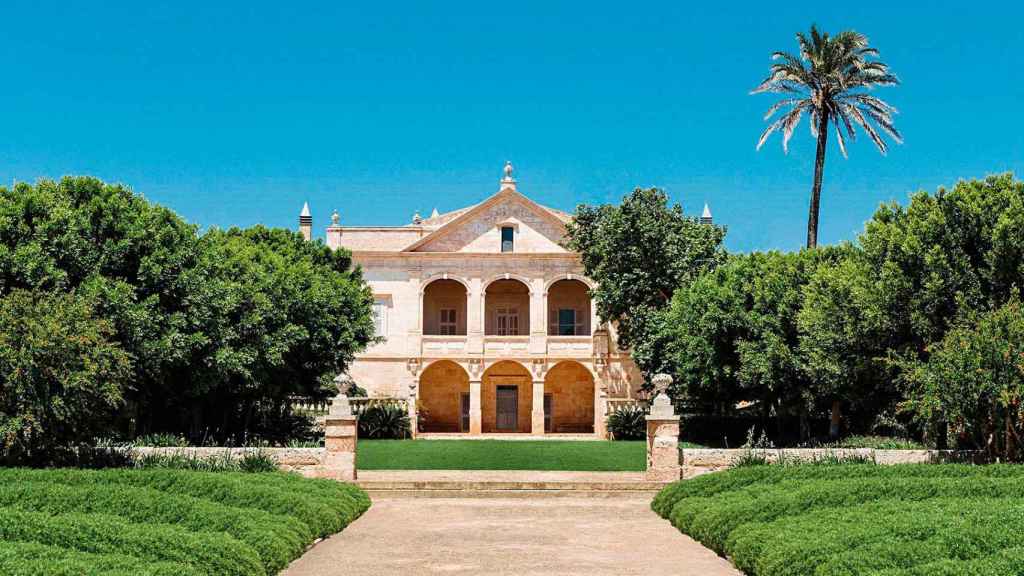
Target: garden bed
(165, 522)
(586, 455)
(848, 519)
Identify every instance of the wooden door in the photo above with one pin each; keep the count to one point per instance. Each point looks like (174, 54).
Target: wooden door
(507, 405)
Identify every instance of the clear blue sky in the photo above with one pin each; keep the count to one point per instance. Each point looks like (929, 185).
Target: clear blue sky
(234, 115)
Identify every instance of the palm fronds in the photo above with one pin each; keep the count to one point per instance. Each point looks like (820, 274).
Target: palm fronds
(828, 80)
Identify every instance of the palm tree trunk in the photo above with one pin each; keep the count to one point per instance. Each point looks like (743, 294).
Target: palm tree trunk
(819, 168)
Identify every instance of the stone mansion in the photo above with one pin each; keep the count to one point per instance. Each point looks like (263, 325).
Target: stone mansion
(486, 321)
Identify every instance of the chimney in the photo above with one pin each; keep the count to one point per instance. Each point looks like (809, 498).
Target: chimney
(306, 222)
(705, 218)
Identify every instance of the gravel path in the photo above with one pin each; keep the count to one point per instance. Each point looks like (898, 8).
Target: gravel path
(510, 536)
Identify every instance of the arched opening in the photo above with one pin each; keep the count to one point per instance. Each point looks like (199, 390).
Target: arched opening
(507, 308)
(444, 398)
(506, 398)
(444, 308)
(568, 309)
(569, 399)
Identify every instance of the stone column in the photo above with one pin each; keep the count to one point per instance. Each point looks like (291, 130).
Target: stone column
(340, 433)
(411, 405)
(475, 412)
(662, 435)
(537, 414)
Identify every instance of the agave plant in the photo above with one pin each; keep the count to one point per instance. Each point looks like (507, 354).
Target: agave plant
(628, 422)
(829, 81)
(384, 420)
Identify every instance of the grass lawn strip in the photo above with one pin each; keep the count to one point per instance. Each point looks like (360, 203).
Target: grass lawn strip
(855, 519)
(214, 523)
(581, 455)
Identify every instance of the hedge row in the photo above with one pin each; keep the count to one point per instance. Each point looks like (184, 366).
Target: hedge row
(174, 521)
(325, 506)
(737, 478)
(33, 558)
(862, 519)
(276, 538)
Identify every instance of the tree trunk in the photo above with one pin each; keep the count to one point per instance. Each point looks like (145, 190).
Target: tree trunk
(819, 168)
(837, 416)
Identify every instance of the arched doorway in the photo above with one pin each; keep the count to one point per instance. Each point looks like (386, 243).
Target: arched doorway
(507, 308)
(444, 398)
(569, 399)
(444, 308)
(506, 398)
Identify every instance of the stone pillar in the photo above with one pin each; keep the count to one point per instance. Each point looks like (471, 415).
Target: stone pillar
(662, 435)
(340, 433)
(600, 408)
(410, 406)
(537, 414)
(475, 412)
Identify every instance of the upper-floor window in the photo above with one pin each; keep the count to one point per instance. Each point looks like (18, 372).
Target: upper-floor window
(380, 317)
(507, 234)
(568, 322)
(507, 321)
(448, 324)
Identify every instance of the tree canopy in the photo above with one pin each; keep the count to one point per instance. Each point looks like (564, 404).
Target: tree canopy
(640, 252)
(210, 324)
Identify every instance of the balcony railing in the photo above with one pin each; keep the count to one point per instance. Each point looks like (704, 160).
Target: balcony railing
(507, 345)
(570, 345)
(443, 345)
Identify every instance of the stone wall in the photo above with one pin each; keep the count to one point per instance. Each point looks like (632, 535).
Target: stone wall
(305, 461)
(698, 460)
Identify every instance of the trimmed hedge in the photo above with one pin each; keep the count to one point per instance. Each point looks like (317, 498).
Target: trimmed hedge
(32, 559)
(202, 522)
(856, 519)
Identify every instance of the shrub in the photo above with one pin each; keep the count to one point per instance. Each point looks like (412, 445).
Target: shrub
(18, 558)
(628, 422)
(276, 538)
(238, 523)
(879, 443)
(855, 518)
(62, 373)
(215, 553)
(383, 420)
(161, 440)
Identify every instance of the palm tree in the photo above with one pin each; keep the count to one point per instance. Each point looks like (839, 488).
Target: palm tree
(829, 81)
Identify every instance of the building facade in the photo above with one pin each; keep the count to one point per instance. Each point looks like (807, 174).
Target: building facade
(485, 320)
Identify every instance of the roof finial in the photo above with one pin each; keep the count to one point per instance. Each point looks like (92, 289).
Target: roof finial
(508, 181)
(434, 213)
(416, 218)
(305, 209)
(335, 218)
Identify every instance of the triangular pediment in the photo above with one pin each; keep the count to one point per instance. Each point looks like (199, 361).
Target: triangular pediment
(478, 230)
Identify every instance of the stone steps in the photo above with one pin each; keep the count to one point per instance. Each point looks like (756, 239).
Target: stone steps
(510, 488)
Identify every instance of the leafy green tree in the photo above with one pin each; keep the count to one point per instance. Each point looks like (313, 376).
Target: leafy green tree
(219, 328)
(640, 252)
(844, 335)
(922, 270)
(280, 317)
(732, 333)
(131, 258)
(829, 81)
(973, 380)
(61, 373)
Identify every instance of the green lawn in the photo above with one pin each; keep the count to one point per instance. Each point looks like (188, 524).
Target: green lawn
(165, 522)
(501, 455)
(849, 519)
